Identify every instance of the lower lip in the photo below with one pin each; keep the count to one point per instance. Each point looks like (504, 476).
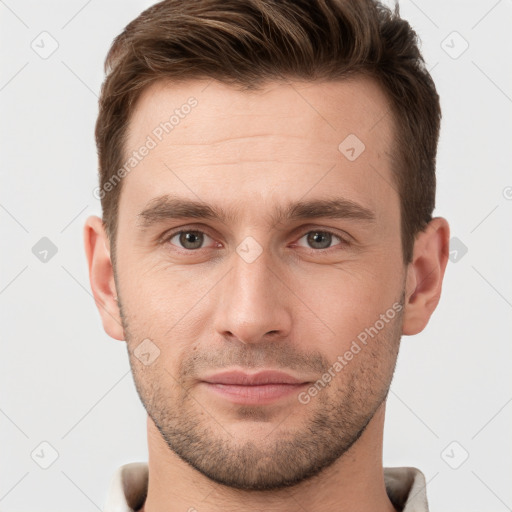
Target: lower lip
(260, 394)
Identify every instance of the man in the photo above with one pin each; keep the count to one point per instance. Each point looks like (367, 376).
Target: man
(267, 177)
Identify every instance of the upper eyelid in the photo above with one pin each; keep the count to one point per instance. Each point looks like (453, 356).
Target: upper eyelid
(171, 233)
(333, 233)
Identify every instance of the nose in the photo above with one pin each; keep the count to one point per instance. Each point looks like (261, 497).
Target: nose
(254, 303)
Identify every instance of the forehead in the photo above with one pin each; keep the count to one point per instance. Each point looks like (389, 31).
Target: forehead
(211, 140)
(357, 104)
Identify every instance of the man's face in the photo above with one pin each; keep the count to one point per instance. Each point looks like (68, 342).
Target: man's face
(253, 292)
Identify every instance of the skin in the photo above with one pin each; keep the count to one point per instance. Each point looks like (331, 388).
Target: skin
(295, 308)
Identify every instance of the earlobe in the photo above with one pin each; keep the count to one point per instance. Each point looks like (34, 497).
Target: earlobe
(101, 276)
(425, 275)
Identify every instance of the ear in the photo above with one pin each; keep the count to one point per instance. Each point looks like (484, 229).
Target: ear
(101, 276)
(425, 275)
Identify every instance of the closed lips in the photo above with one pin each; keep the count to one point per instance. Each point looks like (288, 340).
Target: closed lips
(237, 378)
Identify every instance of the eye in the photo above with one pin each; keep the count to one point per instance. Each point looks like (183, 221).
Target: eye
(188, 239)
(321, 239)
(194, 239)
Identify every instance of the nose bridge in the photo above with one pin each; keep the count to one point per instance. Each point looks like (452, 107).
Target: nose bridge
(251, 305)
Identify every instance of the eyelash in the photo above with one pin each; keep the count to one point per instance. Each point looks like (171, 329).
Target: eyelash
(166, 238)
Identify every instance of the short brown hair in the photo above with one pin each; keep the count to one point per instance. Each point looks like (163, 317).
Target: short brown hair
(248, 42)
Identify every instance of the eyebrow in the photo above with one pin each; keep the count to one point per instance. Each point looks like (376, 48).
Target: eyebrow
(167, 207)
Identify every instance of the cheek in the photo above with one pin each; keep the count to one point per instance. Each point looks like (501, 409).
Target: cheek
(168, 307)
(158, 386)
(346, 301)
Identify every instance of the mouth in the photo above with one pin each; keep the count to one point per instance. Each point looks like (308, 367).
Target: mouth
(259, 388)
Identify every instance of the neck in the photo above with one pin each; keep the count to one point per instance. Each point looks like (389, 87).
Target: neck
(355, 482)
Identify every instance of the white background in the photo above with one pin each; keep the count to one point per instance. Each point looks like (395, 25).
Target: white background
(65, 382)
